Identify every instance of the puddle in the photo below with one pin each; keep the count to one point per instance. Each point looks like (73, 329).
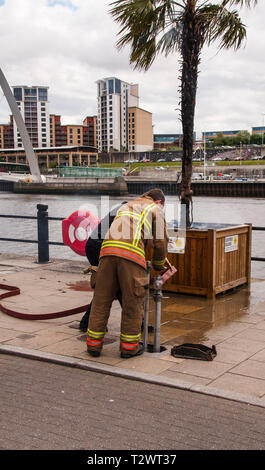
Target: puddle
(196, 319)
(83, 286)
(192, 319)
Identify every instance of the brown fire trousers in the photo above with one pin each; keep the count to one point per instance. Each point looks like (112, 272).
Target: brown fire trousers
(116, 273)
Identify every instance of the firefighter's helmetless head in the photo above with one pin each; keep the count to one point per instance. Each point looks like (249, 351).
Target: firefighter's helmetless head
(157, 195)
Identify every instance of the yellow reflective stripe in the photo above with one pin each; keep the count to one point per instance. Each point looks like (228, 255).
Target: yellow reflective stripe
(139, 226)
(141, 222)
(125, 245)
(130, 214)
(96, 334)
(160, 263)
(130, 337)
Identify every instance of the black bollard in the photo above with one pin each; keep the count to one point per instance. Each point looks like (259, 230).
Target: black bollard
(43, 234)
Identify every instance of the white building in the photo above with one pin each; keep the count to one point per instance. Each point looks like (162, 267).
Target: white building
(34, 107)
(115, 97)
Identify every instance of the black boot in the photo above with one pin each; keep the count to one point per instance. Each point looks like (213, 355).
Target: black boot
(140, 351)
(84, 321)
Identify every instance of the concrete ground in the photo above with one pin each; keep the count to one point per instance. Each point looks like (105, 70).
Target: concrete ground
(234, 323)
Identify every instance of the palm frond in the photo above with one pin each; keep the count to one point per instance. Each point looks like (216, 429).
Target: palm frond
(171, 40)
(218, 23)
(241, 3)
(142, 22)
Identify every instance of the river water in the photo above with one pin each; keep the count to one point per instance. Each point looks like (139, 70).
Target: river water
(205, 210)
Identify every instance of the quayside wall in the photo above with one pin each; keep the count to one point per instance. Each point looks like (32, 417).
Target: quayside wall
(119, 187)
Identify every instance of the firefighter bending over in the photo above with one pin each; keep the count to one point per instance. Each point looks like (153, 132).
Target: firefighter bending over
(123, 266)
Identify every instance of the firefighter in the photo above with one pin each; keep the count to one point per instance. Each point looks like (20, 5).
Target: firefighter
(123, 266)
(93, 246)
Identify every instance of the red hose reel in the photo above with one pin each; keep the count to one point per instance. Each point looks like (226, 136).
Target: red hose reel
(77, 228)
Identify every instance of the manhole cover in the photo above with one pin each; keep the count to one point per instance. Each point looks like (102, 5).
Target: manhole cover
(25, 336)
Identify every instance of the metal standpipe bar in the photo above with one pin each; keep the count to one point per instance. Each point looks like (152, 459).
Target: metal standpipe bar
(157, 286)
(43, 234)
(146, 307)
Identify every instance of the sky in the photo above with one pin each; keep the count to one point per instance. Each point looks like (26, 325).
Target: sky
(68, 45)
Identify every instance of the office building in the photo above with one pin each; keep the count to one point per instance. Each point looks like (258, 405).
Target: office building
(258, 130)
(34, 106)
(213, 134)
(163, 141)
(52, 157)
(117, 102)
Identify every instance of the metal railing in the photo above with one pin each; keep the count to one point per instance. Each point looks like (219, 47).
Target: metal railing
(43, 233)
(254, 258)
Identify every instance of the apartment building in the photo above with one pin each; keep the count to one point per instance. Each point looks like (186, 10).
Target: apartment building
(115, 98)
(34, 106)
(73, 134)
(140, 130)
(7, 135)
(90, 131)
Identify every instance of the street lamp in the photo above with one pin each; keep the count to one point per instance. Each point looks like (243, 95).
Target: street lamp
(262, 137)
(204, 155)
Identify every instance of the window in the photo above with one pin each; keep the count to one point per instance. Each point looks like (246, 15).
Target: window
(117, 86)
(43, 94)
(18, 94)
(30, 92)
(111, 86)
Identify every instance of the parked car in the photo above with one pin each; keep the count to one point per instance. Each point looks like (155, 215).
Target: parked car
(197, 176)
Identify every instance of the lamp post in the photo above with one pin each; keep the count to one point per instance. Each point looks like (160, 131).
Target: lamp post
(204, 154)
(262, 135)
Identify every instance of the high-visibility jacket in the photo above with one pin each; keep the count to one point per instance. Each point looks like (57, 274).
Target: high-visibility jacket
(137, 222)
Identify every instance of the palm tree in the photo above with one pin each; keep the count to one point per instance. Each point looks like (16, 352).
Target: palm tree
(183, 27)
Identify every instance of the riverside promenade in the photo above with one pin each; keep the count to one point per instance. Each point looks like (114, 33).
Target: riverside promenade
(55, 396)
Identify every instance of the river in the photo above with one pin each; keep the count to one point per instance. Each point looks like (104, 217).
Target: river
(205, 209)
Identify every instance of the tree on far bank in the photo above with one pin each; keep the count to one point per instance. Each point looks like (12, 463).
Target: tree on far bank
(181, 27)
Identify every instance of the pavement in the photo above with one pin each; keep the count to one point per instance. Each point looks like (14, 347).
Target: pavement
(234, 322)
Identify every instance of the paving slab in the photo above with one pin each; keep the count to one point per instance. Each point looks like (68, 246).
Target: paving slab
(234, 322)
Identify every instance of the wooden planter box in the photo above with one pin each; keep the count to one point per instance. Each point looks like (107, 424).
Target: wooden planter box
(214, 261)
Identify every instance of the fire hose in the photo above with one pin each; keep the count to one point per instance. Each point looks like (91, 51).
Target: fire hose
(157, 286)
(12, 291)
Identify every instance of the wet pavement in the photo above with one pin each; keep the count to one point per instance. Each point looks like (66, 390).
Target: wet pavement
(234, 322)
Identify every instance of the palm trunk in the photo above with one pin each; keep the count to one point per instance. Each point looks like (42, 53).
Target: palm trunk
(190, 60)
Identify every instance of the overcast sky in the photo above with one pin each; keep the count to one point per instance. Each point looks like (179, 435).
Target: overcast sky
(69, 44)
